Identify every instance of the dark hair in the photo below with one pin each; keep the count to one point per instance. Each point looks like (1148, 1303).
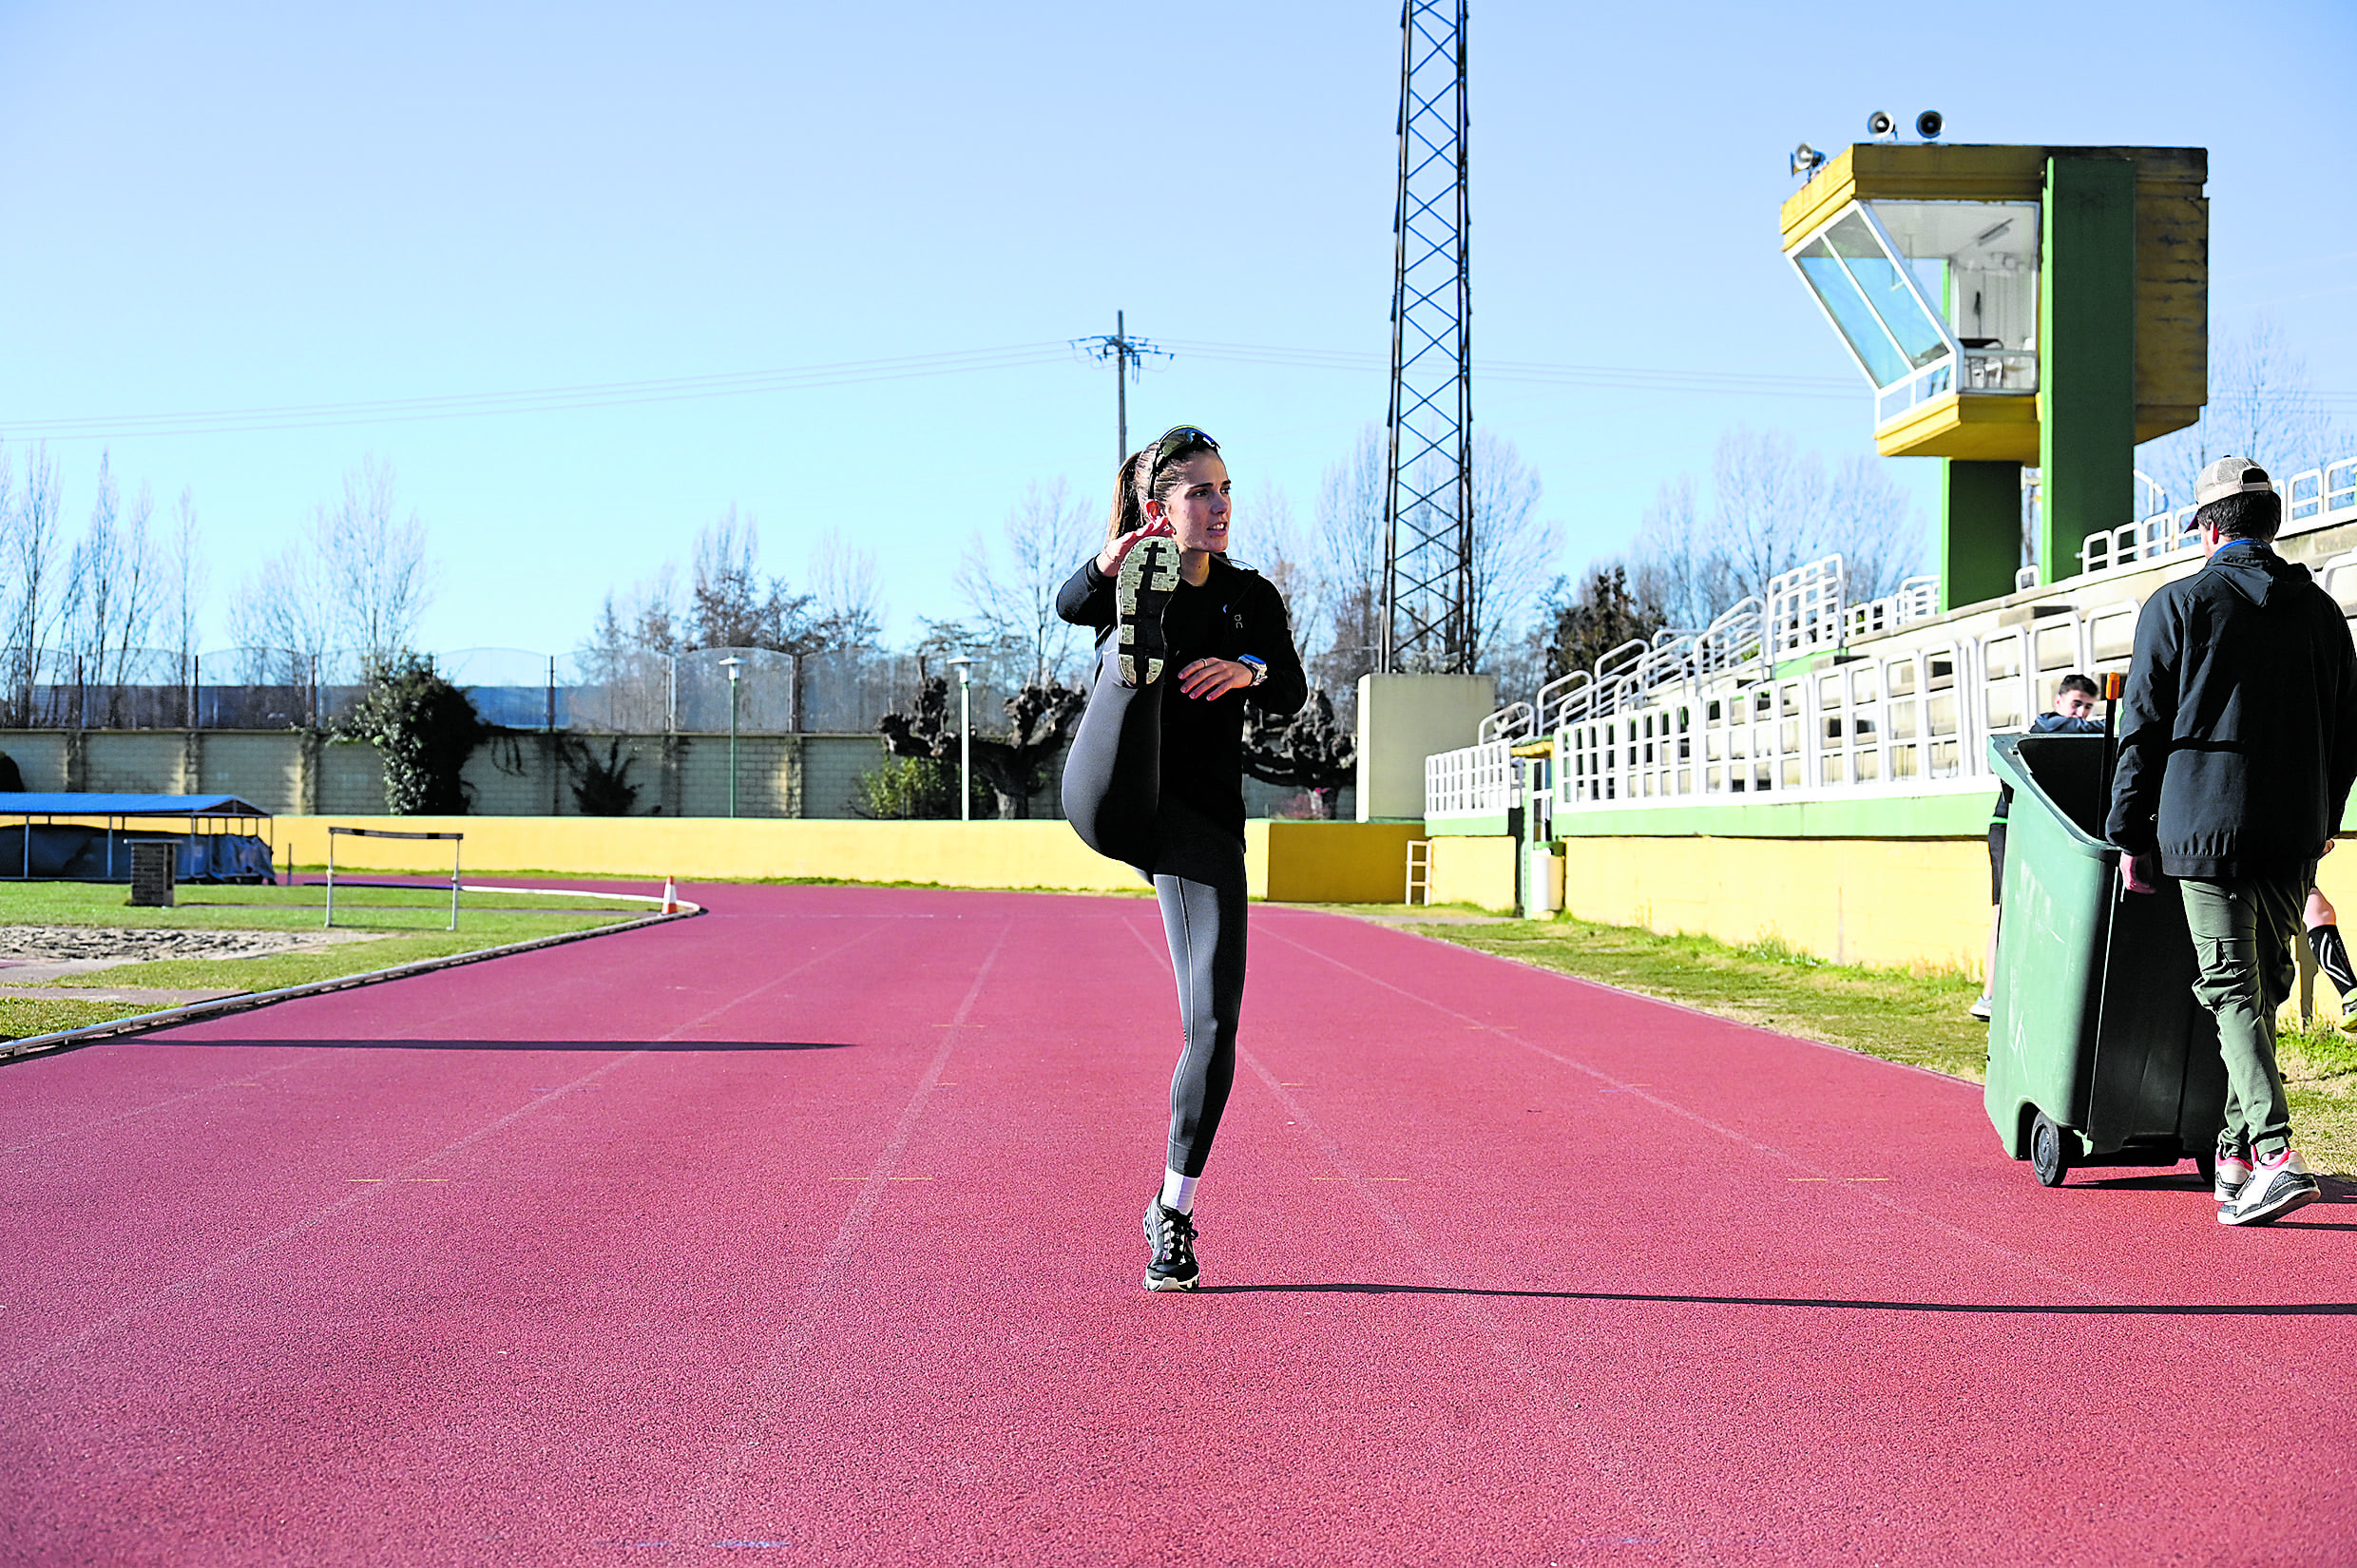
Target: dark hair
(2254, 514)
(2075, 682)
(1130, 492)
(1128, 480)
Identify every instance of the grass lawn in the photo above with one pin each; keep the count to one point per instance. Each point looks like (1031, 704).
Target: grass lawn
(1900, 1015)
(403, 925)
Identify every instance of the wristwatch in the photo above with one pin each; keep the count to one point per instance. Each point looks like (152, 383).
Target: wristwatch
(1259, 668)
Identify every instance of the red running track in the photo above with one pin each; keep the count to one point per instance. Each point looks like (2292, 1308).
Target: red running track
(807, 1232)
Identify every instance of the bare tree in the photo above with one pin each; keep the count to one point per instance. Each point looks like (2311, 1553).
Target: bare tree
(1010, 589)
(1345, 563)
(359, 579)
(31, 570)
(187, 572)
(1772, 508)
(108, 606)
(1515, 550)
(850, 613)
(373, 566)
(283, 618)
(2263, 405)
(731, 604)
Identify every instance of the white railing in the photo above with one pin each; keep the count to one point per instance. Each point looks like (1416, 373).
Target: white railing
(2311, 500)
(2001, 370)
(1918, 599)
(1805, 607)
(1705, 714)
(1892, 720)
(1477, 781)
(2163, 533)
(2322, 493)
(1513, 722)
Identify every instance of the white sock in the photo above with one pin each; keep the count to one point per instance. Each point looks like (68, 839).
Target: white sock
(1179, 1192)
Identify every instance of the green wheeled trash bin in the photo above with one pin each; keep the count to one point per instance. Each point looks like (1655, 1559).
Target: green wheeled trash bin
(2098, 1054)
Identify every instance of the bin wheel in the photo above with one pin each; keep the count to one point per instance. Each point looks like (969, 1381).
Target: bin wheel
(2208, 1166)
(2049, 1156)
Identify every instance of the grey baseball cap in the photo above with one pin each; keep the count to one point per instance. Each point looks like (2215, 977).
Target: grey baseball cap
(2230, 476)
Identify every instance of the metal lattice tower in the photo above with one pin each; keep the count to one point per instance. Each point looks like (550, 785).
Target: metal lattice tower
(1428, 509)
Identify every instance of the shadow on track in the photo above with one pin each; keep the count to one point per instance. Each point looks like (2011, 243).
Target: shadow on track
(2282, 1309)
(169, 1042)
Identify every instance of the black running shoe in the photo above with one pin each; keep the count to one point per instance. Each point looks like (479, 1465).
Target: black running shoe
(1148, 577)
(1172, 1237)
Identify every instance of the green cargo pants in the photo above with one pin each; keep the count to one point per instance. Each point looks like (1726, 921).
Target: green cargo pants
(2243, 931)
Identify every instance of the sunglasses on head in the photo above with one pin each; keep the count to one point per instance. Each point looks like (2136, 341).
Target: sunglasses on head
(1176, 440)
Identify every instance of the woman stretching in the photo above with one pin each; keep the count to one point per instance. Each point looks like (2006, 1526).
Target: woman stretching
(1184, 639)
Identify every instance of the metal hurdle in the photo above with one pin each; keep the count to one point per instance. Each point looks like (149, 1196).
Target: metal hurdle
(383, 832)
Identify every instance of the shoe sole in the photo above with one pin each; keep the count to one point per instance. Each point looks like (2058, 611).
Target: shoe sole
(2297, 1200)
(1149, 576)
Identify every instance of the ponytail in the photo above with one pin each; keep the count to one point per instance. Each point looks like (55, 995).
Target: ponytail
(1128, 498)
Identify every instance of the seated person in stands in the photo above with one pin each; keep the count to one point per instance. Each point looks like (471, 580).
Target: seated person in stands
(2072, 714)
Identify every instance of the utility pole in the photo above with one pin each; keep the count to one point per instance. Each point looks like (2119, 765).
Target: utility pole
(1427, 505)
(1127, 355)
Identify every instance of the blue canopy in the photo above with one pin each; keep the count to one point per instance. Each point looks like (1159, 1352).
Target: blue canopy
(30, 803)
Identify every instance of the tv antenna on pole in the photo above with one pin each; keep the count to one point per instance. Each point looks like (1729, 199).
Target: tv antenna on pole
(1128, 354)
(1428, 498)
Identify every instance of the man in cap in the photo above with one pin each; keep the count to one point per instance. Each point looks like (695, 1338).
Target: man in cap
(2238, 744)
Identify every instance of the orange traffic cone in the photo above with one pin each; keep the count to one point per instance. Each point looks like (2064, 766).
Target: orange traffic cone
(671, 896)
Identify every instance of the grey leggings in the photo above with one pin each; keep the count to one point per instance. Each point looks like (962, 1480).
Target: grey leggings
(1113, 795)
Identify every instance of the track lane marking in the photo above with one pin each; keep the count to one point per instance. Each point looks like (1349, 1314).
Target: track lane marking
(1611, 1471)
(1687, 1114)
(792, 1345)
(2276, 1373)
(224, 1265)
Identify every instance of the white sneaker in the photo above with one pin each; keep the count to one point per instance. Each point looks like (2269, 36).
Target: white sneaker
(2234, 1174)
(1980, 1008)
(2276, 1187)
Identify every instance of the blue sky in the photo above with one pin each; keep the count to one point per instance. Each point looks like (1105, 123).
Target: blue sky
(290, 208)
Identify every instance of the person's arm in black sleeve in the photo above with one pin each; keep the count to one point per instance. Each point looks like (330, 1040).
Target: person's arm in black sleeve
(1270, 632)
(2147, 723)
(1086, 597)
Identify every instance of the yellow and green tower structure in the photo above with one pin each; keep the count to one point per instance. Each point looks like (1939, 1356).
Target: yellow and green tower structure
(2012, 307)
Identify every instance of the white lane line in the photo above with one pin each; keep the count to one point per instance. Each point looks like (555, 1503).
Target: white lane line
(224, 1265)
(1686, 1113)
(784, 1368)
(1477, 1312)
(2203, 1334)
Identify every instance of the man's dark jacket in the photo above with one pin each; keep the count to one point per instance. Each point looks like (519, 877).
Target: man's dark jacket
(2238, 731)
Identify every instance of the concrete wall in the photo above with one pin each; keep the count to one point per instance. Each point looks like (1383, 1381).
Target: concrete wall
(1311, 862)
(530, 774)
(1405, 718)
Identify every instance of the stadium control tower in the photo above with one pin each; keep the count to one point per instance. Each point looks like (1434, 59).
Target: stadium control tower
(2014, 306)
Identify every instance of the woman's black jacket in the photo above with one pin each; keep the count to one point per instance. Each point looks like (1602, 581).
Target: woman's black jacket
(1235, 612)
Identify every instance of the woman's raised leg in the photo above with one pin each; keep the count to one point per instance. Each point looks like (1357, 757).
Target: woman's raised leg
(1113, 775)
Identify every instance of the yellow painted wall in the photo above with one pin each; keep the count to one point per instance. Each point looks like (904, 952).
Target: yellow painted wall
(1921, 900)
(1476, 871)
(1320, 862)
(1330, 861)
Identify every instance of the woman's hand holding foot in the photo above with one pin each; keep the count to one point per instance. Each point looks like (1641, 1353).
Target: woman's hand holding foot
(1109, 559)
